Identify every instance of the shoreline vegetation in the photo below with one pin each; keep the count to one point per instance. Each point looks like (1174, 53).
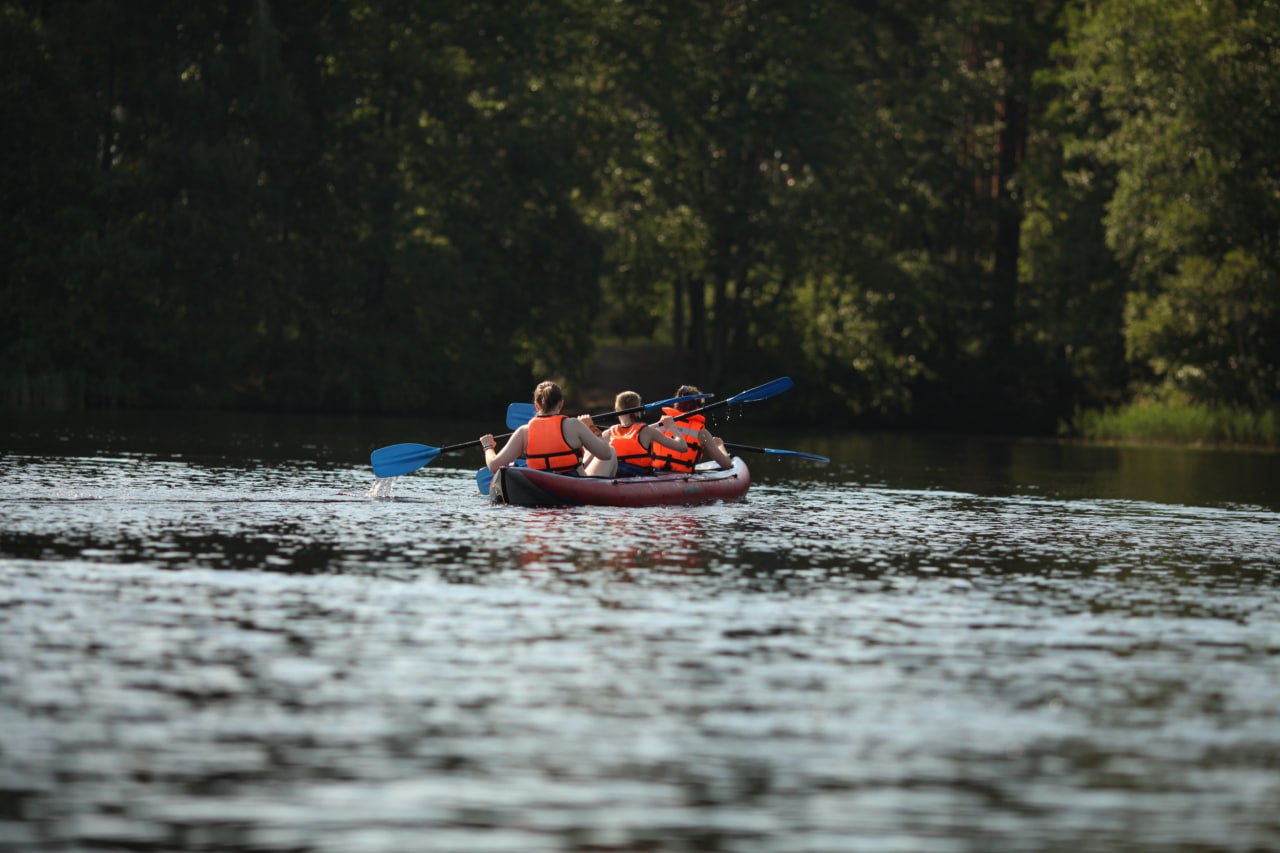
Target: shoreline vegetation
(1182, 423)
(1168, 419)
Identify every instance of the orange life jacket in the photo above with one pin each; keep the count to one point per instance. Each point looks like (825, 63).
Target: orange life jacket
(687, 427)
(547, 449)
(625, 441)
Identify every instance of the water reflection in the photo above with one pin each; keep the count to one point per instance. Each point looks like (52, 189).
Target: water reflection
(984, 649)
(1051, 469)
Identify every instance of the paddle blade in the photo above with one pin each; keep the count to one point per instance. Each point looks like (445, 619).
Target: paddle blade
(519, 414)
(400, 459)
(762, 392)
(484, 479)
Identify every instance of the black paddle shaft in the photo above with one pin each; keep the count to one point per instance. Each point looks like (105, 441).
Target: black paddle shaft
(764, 392)
(633, 409)
(464, 445)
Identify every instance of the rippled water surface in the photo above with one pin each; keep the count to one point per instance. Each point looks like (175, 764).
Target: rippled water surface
(211, 639)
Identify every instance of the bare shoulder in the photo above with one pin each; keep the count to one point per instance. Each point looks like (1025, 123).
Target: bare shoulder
(575, 427)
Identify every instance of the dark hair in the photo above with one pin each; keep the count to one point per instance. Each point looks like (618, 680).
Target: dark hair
(685, 391)
(547, 396)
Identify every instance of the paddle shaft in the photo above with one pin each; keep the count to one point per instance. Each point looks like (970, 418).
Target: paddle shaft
(718, 404)
(762, 392)
(773, 451)
(518, 414)
(646, 407)
(752, 395)
(498, 438)
(464, 445)
(630, 411)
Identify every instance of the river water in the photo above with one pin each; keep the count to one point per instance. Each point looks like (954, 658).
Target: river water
(211, 639)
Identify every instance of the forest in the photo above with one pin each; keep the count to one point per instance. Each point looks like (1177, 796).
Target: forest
(946, 214)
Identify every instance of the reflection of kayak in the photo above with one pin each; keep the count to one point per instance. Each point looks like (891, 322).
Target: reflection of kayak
(525, 487)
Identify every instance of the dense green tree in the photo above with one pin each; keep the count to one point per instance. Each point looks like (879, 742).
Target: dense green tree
(1073, 289)
(339, 204)
(830, 187)
(918, 207)
(730, 108)
(1190, 98)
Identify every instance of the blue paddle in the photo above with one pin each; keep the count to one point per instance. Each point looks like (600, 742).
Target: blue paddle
(772, 451)
(751, 395)
(519, 414)
(484, 477)
(400, 459)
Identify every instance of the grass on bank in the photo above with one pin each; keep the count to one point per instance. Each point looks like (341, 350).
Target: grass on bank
(1180, 423)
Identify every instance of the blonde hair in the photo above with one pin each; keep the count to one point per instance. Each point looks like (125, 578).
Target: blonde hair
(547, 396)
(626, 400)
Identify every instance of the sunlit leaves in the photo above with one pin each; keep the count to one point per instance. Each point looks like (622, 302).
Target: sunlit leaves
(1192, 106)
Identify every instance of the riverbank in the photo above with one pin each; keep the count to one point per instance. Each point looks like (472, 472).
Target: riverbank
(1181, 423)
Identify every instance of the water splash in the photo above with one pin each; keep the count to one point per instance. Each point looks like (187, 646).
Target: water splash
(381, 488)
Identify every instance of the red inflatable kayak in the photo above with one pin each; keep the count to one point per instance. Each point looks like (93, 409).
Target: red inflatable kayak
(525, 487)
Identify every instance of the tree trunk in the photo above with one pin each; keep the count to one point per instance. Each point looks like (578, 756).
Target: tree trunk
(719, 327)
(696, 360)
(1012, 143)
(678, 288)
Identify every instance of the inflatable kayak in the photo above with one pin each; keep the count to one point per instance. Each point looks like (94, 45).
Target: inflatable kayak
(525, 487)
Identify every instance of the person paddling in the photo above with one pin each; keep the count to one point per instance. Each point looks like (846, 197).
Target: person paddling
(550, 441)
(699, 442)
(633, 441)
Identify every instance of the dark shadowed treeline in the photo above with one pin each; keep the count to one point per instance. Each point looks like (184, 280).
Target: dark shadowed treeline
(971, 214)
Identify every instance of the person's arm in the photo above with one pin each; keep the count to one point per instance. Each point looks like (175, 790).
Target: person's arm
(588, 440)
(513, 450)
(655, 433)
(714, 448)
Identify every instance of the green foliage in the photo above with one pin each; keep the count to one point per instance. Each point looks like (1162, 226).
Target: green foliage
(1210, 329)
(1072, 288)
(1178, 420)
(952, 214)
(1189, 95)
(338, 205)
(727, 115)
